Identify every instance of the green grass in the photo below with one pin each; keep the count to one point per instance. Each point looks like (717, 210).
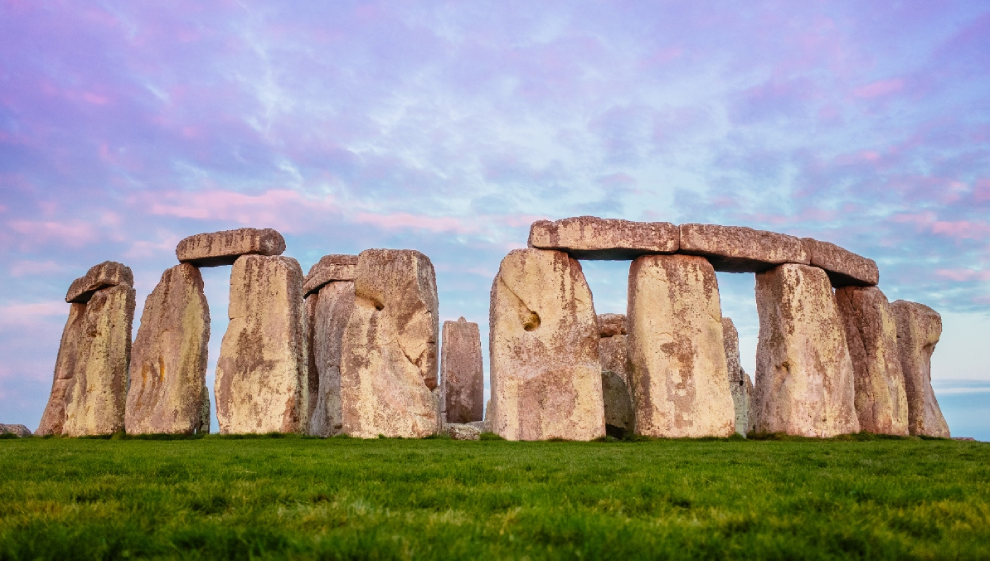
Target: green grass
(438, 499)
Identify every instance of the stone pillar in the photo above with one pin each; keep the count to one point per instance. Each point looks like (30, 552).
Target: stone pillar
(871, 333)
(918, 330)
(804, 375)
(328, 311)
(739, 382)
(462, 372)
(545, 369)
(679, 376)
(261, 373)
(168, 360)
(389, 350)
(612, 346)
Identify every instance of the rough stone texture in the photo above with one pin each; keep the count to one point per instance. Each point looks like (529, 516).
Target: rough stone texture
(261, 383)
(224, 248)
(168, 359)
(610, 325)
(804, 375)
(750, 406)
(844, 267)
(588, 237)
(737, 249)
(328, 311)
(389, 357)
(619, 416)
(464, 431)
(918, 330)
(482, 426)
(90, 382)
(204, 411)
(871, 333)
(545, 370)
(737, 376)
(19, 430)
(462, 372)
(328, 269)
(104, 275)
(676, 356)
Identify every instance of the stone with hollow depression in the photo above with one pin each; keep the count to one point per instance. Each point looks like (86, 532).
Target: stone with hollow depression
(223, 248)
(589, 237)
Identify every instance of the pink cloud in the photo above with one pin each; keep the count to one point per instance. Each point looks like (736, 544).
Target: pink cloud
(75, 233)
(962, 229)
(963, 275)
(404, 220)
(22, 268)
(981, 192)
(25, 314)
(880, 88)
(283, 209)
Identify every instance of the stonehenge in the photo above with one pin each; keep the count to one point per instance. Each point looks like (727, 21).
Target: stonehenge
(462, 372)
(918, 330)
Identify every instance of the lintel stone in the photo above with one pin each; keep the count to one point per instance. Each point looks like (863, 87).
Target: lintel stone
(608, 239)
(223, 248)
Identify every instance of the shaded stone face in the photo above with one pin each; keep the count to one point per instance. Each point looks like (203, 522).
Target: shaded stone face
(168, 359)
(871, 333)
(612, 346)
(844, 268)
(736, 249)
(545, 369)
(918, 331)
(588, 237)
(328, 312)
(804, 375)
(389, 350)
(330, 268)
(104, 275)
(677, 359)
(224, 248)
(737, 376)
(462, 372)
(261, 381)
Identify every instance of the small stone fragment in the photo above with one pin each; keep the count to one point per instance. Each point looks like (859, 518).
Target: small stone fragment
(328, 311)
(619, 414)
(457, 431)
(104, 275)
(918, 331)
(737, 376)
(330, 268)
(844, 267)
(462, 372)
(223, 248)
(737, 249)
(589, 237)
(19, 430)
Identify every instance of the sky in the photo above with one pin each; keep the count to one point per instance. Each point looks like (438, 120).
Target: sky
(449, 127)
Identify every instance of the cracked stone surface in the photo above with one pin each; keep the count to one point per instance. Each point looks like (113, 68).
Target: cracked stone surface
(918, 331)
(104, 275)
(328, 269)
(589, 237)
(736, 249)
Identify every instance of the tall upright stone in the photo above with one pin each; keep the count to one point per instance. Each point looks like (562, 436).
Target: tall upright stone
(545, 369)
(677, 359)
(462, 372)
(619, 415)
(804, 375)
(871, 333)
(918, 331)
(739, 383)
(168, 359)
(328, 311)
(389, 352)
(261, 373)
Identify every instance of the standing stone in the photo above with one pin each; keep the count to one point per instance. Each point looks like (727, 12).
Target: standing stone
(871, 333)
(750, 406)
(168, 360)
(261, 374)
(545, 369)
(804, 375)
(612, 346)
(739, 383)
(677, 359)
(462, 372)
(328, 311)
(389, 350)
(918, 330)
(224, 248)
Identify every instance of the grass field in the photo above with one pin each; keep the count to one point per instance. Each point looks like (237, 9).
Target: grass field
(439, 499)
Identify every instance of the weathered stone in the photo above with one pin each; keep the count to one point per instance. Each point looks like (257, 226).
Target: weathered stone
(90, 385)
(17, 430)
(804, 375)
(389, 357)
(610, 325)
(464, 431)
(224, 248)
(462, 372)
(204, 411)
(588, 237)
(261, 383)
(328, 311)
(676, 356)
(871, 333)
(104, 275)
(737, 376)
(750, 406)
(545, 370)
(737, 249)
(328, 269)
(482, 426)
(168, 359)
(844, 267)
(619, 415)
(918, 331)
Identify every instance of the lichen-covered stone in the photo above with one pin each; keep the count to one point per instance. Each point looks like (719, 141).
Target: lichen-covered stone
(328, 269)
(804, 375)
(462, 372)
(224, 248)
(737, 249)
(328, 311)
(545, 369)
(104, 275)
(918, 331)
(619, 416)
(261, 383)
(844, 268)
(168, 359)
(737, 376)
(589, 237)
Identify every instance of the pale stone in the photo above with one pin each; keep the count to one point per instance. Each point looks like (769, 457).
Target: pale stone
(18, 430)
(389, 350)
(328, 311)
(261, 382)
(328, 269)
(482, 426)
(737, 249)
(589, 237)
(545, 369)
(457, 431)
(224, 248)
(750, 406)
(619, 416)
(677, 360)
(462, 372)
(168, 359)
(104, 275)
(871, 333)
(844, 267)
(804, 375)
(737, 376)
(918, 331)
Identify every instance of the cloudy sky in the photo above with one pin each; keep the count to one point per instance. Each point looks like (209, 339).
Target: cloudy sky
(448, 127)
